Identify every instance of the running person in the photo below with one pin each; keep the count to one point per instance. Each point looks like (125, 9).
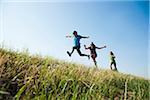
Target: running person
(77, 44)
(93, 53)
(112, 61)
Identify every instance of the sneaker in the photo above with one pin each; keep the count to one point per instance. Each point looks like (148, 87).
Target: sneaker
(68, 53)
(116, 70)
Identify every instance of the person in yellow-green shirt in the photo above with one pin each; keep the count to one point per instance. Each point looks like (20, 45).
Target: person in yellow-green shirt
(112, 61)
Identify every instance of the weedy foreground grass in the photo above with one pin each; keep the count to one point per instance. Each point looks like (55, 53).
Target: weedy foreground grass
(26, 77)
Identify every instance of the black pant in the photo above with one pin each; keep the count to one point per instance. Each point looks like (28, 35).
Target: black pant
(78, 50)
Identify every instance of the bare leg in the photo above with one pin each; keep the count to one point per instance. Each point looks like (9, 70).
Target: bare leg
(111, 65)
(95, 64)
(94, 60)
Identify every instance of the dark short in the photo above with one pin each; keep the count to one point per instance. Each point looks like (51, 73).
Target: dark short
(76, 47)
(93, 55)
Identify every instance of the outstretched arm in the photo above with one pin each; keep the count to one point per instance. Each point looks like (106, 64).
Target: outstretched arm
(100, 47)
(84, 36)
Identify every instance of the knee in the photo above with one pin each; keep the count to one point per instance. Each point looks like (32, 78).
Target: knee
(80, 54)
(73, 47)
(94, 60)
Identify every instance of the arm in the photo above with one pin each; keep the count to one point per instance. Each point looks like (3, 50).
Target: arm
(100, 47)
(68, 36)
(113, 56)
(84, 36)
(86, 47)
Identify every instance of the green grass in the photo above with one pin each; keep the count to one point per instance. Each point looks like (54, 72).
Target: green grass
(27, 77)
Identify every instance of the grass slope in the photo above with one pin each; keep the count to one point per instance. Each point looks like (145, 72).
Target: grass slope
(28, 77)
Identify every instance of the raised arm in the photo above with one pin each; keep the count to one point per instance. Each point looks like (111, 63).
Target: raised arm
(100, 47)
(68, 36)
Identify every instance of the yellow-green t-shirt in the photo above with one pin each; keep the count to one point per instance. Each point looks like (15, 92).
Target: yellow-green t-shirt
(112, 58)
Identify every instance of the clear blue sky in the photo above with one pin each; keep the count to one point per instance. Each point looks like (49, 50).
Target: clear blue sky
(42, 26)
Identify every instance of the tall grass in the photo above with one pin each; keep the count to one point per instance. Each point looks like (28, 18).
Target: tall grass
(28, 77)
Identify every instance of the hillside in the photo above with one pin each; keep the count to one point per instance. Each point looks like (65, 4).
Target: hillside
(26, 77)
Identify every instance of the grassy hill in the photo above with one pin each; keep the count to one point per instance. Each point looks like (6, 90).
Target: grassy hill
(26, 77)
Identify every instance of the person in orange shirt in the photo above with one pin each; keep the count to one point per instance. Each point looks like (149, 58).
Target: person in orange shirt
(93, 53)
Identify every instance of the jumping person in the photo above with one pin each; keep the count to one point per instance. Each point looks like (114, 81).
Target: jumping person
(77, 44)
(112, 61)
(92, 49)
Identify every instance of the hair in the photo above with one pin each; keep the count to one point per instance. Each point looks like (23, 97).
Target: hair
(111, 53)
(75, 32)
(93, 44)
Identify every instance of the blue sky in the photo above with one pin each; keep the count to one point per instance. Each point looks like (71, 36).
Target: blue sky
(41, 26)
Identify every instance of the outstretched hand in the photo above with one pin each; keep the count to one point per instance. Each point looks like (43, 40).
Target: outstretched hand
(68, 36)
(88, 37)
